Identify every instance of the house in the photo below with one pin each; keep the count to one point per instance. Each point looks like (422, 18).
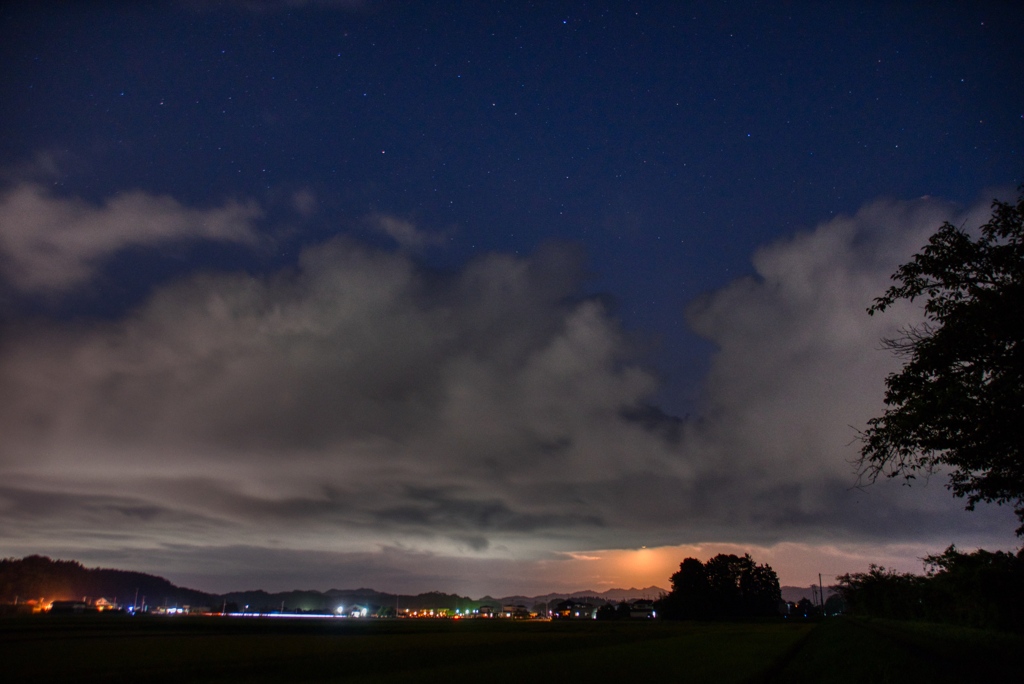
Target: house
(101, 604)
(642, 609)
(572, 609)
(70, 607)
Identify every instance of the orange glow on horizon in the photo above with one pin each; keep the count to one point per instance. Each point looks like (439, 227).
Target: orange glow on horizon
(795, 564)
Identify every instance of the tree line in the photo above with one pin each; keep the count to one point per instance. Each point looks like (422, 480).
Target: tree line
(957, 405)
(35, 577)
(980, 589)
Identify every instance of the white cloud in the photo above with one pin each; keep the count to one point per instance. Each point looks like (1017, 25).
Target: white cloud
(358, 396)
(403, 232)
(359, 401)
(51, 244)
(800, 368)
(304, 202)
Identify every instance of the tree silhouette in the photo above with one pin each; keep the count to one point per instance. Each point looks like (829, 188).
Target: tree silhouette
(958, 402)
(724, 586)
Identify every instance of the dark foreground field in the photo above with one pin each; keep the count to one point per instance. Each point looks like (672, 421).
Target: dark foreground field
(123, 649)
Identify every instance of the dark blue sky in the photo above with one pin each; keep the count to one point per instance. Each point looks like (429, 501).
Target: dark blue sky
(677, 147)
(671, 139)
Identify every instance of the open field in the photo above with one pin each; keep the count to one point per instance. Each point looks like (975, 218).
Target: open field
(845, 650)
(123, 649)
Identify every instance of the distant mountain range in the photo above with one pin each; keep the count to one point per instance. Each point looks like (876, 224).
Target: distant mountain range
(609, 596)
(39, 577)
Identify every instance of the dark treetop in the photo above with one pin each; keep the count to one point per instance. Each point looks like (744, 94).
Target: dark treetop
(959, 400)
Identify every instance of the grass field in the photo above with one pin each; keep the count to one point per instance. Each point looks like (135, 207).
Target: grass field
(842, 651)
(122, 649)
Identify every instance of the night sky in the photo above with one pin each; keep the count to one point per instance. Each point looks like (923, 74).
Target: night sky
(477, 297)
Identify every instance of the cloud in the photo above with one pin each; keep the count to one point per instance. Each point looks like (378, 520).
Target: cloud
(359, 401)
(799, 368)
(52, 244)
(403, 232)
(44, 166)
(357, 395)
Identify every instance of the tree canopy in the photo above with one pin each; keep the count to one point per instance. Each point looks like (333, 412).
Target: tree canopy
(958, 402)
(981, 589)
(724, 586)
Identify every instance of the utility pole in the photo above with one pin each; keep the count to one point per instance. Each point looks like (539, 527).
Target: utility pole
(821, 594)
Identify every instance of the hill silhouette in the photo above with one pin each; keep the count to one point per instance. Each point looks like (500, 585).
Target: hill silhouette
(39, 577)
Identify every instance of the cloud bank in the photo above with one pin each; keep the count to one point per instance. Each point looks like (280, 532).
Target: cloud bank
(358, 402)
(799, 370)
(50, 244)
